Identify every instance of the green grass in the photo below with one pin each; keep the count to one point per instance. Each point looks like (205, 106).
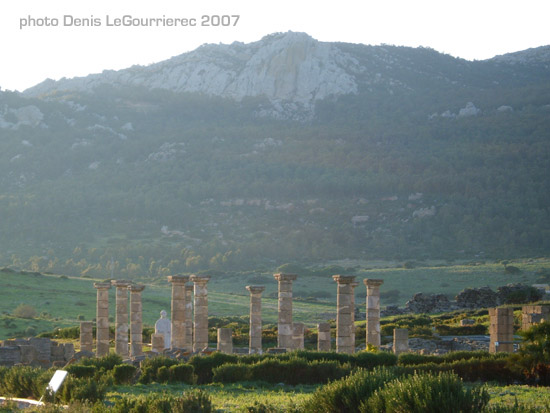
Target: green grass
(235, 397)
(228, 397)
(61, 300)
(528, 396)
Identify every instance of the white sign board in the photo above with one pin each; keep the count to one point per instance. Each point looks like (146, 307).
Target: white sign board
(57, 381)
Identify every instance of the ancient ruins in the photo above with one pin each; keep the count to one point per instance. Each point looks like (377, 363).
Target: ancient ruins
(187, 331)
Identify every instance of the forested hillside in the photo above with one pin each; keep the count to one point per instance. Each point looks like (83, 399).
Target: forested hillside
(431, 157)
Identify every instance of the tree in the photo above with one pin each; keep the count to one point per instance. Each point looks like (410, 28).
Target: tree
(533, 357)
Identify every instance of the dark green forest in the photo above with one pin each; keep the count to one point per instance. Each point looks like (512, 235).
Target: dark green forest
(147, 183)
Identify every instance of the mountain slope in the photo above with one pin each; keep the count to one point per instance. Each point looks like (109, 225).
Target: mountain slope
(226, 157)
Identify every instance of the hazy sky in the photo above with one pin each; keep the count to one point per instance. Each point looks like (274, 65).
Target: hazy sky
(470, 29)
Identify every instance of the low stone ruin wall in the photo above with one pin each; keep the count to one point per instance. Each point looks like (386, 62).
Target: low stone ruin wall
(35, 352)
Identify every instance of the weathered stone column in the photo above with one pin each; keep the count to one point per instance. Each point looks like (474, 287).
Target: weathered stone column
(255, 341)
(121, 320)
(400, 340)
(225, 340)
(86, 336)
(323, 337)
(284, 327)
(200, 320)
(501, 330)
(189, 317)
(136, 324)
(344, 314)
(373, 311)
(157, 343)
(178, 310)
(102, 318)
(298, 332)
(353, 285)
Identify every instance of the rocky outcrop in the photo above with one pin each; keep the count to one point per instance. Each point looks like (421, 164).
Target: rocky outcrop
(292, 70)
(429, 303)
(477, 298)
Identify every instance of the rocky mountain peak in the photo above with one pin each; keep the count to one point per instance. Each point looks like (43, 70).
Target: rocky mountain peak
(287, 68)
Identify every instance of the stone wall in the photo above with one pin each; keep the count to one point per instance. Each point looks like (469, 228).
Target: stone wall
(36, 352)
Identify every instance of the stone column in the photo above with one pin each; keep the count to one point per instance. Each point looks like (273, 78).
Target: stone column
(373, 311)
(400, 340)
(353, 285)
(323, 337)
(501, 330)
(255, 341)
(284, 327)
(225, 340)
(157, 343)
(200, 320)
(136, 325)
(178, 310)
(102, 318)
(298, 331)
(344, 314)
(86, 336)
(121, 320)
(189, 317)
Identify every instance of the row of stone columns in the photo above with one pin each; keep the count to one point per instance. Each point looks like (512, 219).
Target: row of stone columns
(194, 335)
(121, 321)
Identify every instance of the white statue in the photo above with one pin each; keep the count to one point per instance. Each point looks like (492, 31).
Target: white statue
(164, 326)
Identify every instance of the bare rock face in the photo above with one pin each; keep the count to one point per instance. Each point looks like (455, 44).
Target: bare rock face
(292, 70)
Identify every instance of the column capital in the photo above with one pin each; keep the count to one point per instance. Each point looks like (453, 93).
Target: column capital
(178, 279)
(136, 288)
(121, 283)
(255, 289)
(344, 279)
(285, 277)
(199, 279)
(103, 285)
(371, 282)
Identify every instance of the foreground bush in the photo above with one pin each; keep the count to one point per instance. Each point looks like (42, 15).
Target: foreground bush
(533, 359)
(124, 374)
(204, 365)
(23, 381)
(294, 371)
(425, 393)
(83, 390)
(345, 395)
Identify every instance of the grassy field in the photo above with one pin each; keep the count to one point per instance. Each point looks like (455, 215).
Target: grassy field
(236, 397)
(62, 301)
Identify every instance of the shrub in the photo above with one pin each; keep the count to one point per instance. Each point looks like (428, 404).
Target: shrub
(80, 371)
(23, 381)
(412, 359)
(124, 374)
(182, 373)
(24, 311)
(446, 330)
(87, 389)
(196, 401)
(204, 365)
(345, 395)
(423, 393)
(231, 373)
(533, 358)
(105, 363)
(156, 369)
